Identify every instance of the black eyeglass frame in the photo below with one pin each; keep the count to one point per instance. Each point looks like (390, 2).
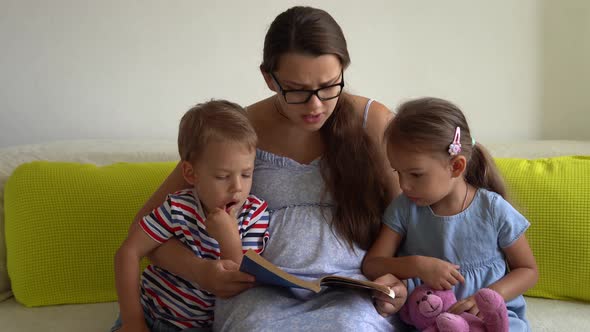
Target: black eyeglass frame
(310, 92)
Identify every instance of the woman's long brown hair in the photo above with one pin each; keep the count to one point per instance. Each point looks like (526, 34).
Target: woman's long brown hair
(352, 165)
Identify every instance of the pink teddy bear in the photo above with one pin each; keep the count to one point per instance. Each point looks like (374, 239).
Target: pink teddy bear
(426, 309)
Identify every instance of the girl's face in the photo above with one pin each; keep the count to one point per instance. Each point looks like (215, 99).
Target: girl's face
(425, 178)
(305, 72)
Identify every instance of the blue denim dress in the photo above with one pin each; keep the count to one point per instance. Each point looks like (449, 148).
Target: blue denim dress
(472, 239)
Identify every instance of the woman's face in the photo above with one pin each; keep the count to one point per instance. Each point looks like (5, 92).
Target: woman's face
(305, 72)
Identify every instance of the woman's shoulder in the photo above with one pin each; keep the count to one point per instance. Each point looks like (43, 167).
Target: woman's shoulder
(258, 113)
(360, 103)
(375, 114)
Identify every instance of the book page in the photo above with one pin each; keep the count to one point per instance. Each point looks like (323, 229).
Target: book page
(270, 274)
(355, 283)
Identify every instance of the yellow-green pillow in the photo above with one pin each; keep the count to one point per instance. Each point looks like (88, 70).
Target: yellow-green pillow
(554, 194)
(64, 222)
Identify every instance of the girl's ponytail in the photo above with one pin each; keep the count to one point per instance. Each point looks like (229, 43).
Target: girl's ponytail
(482, 171)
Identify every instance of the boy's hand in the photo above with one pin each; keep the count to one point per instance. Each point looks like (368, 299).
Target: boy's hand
(223, 226)
(439, 274)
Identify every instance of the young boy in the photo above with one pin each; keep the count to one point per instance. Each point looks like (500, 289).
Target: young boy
(217, 147)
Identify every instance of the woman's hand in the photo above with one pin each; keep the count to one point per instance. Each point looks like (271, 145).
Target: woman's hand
(466, 305)
(223, 278)
(439, 274)
(384, 304)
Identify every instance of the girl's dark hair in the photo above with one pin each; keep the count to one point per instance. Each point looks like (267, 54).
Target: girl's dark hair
(428, 125)
(352, 165)
(219, 120)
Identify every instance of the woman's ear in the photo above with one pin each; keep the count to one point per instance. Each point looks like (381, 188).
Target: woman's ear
(458, 165)
(189, 173)
(270, 82)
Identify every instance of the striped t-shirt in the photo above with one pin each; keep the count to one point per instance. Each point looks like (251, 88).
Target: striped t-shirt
(167, 296)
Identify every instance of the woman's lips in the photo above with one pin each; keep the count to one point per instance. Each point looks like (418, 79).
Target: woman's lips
(312, 118)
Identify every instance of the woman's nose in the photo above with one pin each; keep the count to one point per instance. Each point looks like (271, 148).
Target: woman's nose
(314, 101)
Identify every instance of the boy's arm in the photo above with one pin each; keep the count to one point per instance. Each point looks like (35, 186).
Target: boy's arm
(223, 227)
(127, 261)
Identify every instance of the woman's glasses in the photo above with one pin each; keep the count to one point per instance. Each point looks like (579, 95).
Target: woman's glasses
(302, 96)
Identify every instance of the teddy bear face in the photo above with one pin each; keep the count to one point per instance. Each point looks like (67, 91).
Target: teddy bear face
(425, 304)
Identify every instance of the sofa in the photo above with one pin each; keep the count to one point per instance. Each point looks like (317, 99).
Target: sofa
(566, 313)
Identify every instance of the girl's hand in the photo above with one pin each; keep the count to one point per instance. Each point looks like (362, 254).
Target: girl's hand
(223, 278)
(439, 274)
(465, 305)
(384, 304)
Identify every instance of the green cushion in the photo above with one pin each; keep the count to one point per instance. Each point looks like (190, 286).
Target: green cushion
(554, 194)
(64, 222)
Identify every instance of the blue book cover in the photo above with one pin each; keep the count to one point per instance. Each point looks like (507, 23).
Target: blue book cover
(269, 274)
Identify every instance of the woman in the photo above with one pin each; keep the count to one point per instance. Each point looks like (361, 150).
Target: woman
(320, 165)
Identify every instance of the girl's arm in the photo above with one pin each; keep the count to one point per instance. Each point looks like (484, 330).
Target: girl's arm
(523, 270)
(127, 260)
(220, 277)
(380, 260)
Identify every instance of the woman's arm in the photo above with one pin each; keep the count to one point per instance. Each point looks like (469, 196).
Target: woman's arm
(220, 277)
(185, 261)
(174, 182)
(127, 259)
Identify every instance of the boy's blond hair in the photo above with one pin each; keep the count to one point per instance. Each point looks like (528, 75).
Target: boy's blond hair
(219, 120)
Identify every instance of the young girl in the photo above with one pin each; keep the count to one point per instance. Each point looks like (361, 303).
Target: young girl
(452, 227)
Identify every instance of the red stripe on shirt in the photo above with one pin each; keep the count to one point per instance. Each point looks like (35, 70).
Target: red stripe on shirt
(152, 234)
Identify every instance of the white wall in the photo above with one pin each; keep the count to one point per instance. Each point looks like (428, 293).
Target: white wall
(129, 69)
(566, 65)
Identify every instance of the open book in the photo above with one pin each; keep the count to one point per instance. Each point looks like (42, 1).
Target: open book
(270, 274)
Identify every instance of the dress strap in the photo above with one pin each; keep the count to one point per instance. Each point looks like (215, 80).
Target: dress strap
(366, 114)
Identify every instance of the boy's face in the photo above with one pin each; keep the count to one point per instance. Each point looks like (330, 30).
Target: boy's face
(222, 177)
